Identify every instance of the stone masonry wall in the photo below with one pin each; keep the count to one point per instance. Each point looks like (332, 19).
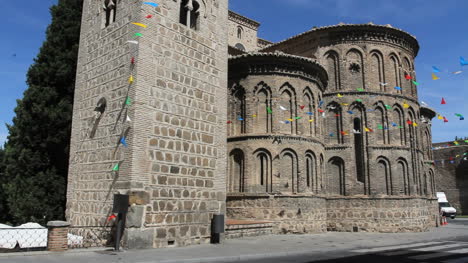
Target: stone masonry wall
(390, 214)
(296, 214)
(452, 174)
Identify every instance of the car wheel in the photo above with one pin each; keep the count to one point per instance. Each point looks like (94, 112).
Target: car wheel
(453, 217)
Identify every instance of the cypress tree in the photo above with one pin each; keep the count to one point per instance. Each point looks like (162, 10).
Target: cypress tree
(37, 150)
(3, 207)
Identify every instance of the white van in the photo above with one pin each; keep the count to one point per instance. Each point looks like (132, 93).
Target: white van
(445, 206)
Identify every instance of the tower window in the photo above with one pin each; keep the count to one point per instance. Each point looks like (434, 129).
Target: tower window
(110, 7)
(239, 32)
(190, 14)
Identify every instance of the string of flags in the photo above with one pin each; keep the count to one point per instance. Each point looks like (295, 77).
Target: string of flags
(131, 80)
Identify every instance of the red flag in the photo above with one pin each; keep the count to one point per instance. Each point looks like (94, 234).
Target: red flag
(321, 111)
(337, 115)
(302, 107)
(132, 60)
(229, 122)
(445, 119)
(149, 16)
(111, 217)
(443, 101)
(409, 122)
(408, 77)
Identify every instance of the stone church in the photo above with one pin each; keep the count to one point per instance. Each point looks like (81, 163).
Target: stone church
(182, 107)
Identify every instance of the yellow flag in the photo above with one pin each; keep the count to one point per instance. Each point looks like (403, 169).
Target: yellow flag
(290, 120)
(440, 117)
(339, 95)
(311, 120)
(367, 129)
(140, 24)
(130, 79)
(415, 124)
(405, 105)
(255, 115)
(344, 104)
(434, 77)
(456, 143)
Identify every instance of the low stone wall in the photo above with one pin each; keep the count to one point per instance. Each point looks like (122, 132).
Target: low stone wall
(381, 214)
(248, 229)
(295, 214)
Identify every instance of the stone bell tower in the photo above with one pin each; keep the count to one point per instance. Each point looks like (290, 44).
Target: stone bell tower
(149, 118)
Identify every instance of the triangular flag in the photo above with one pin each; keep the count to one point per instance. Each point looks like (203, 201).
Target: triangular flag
(462, 118)
(344, 104)
(456, 143)
(337, 115)
(282, 108)
(360, 89)
(331, 134)
(297, 118)
(150, 3)
(309, 113)
(287, 122)
(388, 107)
(302, 107)
(379, 127)
(123, 142)
(239, 118)
(116, 167)
(350, 112)
(149, 16)
(415, 124)
(140, 24)
(434, 77)
(463, 62)
(409, 122)
(132, 42)
(359, 100)
(415, 83)
(311, 120)
(269, 110)
(443, 101)
(405, 105)
(138, 34)
(128, 101)
(290, 119)
(128, 119)
(320, 103)
(383, 84)
(111, 217)
(435, 69)
(457, 72)
(344, 133)
(445, 119)
(229, 122)
(398, 88)
(458, 115)
(440, 117)
(254, 115)
(339, 95)
(408, 77)
(130, 79)
(321, 111)
(394, 124)
(132, 60)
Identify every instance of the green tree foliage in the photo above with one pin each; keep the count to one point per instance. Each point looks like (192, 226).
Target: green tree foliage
(3, 207)
(37, 150)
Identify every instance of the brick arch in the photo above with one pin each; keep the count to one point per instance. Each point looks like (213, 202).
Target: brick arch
(238, 108)
(407, 85)
(287, 167)
(355, 57)
(380, 118)
(334, 123)
(288, 101)
(311, 171)
(393, 72)
(398, 118)
(262, 179)
(383, 181)
(402, 180)
(332, 62)
(336, 176)
(310, 122)
(236, 171)
(262, 103)
(376, 70)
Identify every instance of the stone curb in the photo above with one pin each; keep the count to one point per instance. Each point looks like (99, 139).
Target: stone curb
(45, 253)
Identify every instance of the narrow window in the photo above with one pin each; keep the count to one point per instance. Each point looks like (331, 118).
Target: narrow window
(239, 32)
(110, 8)
(358, 150)
(190, 14)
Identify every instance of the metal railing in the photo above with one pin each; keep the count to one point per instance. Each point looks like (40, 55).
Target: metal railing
(16, 239)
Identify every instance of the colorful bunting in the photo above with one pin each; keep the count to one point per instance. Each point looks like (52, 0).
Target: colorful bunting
(360, 89)
(409, 122)
(415, 83)
(132, 60)
(282, 108)
(130, 79)
(359, 100)
(350, 112)
(116, 167)
(140, 24)
(309, 113)
(128, 101)
(408, 77)
(445, 119)
(150, 3)
(383, 84)
(229, 122)
(302, 107)
(339, 95)
(463, 62)
(132, 42)
(379, 127)
(239, 118)
(443, 102)
(415, 124)
(111, 217)
(434, 77)
(269, 110)
(398, 88)
(123, 142)
(388, 107)
(457, 72)
(149, 16)
(435, 69)
(138, 35)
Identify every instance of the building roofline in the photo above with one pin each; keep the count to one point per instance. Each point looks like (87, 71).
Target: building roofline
(245, 19)
(351, 26)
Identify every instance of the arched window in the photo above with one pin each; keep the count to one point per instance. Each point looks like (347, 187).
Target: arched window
(240, 30)
(240, 46)
(355, 68)
(334, 124)
(287, 107)
(237, 110)
(264, 111)
(287, 180)
(394, 73)
(377, 71)
(383, 177)
(381, 124)
(309, 106)
(398, 125)
(263, 171)
(236, 171)
(110, 8)
(336, 176)
(190, 14)
(311, 172)
(402, 181)
(333, 69)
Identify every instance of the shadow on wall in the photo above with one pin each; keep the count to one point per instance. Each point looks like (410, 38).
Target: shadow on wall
(462, 182)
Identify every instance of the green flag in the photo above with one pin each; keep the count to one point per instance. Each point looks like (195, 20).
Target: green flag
(388, 107)
(360, 89)
(298, 118)
(138, 35)
(380, 127)
(116, 167)
(269, 110)
(128, 101)
(415, 83)
(359, 100)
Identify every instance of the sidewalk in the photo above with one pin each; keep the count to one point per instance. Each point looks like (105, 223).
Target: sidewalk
(234, 250)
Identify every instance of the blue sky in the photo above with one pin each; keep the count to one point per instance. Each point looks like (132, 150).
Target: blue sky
(440, 26)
